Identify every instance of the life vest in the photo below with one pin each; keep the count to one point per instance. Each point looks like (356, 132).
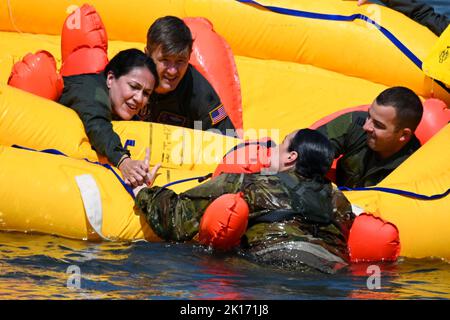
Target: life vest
(311, 201)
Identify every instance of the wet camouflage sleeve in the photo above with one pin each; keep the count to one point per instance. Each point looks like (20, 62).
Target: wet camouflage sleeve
(177, 216)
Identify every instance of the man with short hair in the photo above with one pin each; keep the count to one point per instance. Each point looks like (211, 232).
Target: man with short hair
(183, 95)
(374, 143)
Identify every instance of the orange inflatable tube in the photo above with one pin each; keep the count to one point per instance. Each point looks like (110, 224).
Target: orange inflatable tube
(84, 42)
(224, 222)
(213, 58)
(37, 74)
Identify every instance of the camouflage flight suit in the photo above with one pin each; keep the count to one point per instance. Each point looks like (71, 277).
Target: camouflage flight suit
(177, 217)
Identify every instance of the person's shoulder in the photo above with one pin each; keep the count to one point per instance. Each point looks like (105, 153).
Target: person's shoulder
(199, 81)
(86, 89)
(359, 117)
(86, 83)
(86, 79)
(415, 143)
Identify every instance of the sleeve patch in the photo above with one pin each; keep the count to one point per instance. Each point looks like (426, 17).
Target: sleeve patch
(217, 114)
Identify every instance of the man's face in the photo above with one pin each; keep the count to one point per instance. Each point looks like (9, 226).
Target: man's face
(170, 67)
(382, 134)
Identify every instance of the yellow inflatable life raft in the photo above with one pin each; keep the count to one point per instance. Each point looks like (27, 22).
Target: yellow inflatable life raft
(293, 71)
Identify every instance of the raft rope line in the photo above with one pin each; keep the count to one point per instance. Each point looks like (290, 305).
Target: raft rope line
(399, 192)
(107, 166)
(200, 179)
(335, 17)
(16, 28)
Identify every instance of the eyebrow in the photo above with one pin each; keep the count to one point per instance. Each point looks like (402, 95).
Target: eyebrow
(376, 122)
(141, 86)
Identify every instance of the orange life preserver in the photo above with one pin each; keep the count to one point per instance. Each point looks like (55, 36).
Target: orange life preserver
(37, 74)
(248, 157)
(224, 222)
(373, 239)
(84, 42)
(436, 115)
(213, 58)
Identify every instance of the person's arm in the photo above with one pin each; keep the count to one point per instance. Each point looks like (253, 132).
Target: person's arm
(336, 130)
(419, 12)
(176, 217)
(91, 102)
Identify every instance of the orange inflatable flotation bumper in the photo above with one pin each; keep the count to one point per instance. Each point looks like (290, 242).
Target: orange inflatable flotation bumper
(84, 42)
(224, 222)
(213, 58)
(373, 239)
(36, 73)
(247, 157)
(84, 46)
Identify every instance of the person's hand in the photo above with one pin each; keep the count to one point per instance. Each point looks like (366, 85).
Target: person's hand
(134, 172)
(151, 176)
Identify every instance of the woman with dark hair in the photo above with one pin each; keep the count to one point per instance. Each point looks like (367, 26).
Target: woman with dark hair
(296, 217)
(120, 92)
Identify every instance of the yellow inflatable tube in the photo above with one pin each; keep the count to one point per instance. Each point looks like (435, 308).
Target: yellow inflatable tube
(354, 48)
(40, 193)
(30, 121)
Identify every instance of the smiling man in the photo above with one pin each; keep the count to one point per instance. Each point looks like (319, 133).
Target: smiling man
(374, 143)
(183, 95)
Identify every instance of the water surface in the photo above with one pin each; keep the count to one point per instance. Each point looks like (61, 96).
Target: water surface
(36, 266)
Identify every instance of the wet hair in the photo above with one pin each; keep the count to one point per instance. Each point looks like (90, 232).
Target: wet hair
(172, 34)
(126, 60)
(407, 105)
(315, 153)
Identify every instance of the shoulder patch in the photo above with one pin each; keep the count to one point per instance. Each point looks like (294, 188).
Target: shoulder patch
(217, 114)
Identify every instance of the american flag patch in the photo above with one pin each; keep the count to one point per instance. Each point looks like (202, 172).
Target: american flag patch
(218, 114)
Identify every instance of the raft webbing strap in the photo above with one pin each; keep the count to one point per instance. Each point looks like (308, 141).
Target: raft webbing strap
(399, 192)
(199, 179)
(107, 166)
(267, 144)
(335, 17)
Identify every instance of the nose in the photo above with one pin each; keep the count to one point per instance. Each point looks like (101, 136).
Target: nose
(172, 69)
(368, 125)
(138, 98)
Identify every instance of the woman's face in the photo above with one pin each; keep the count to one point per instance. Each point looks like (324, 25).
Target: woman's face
(280, 158)
(130, 92)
